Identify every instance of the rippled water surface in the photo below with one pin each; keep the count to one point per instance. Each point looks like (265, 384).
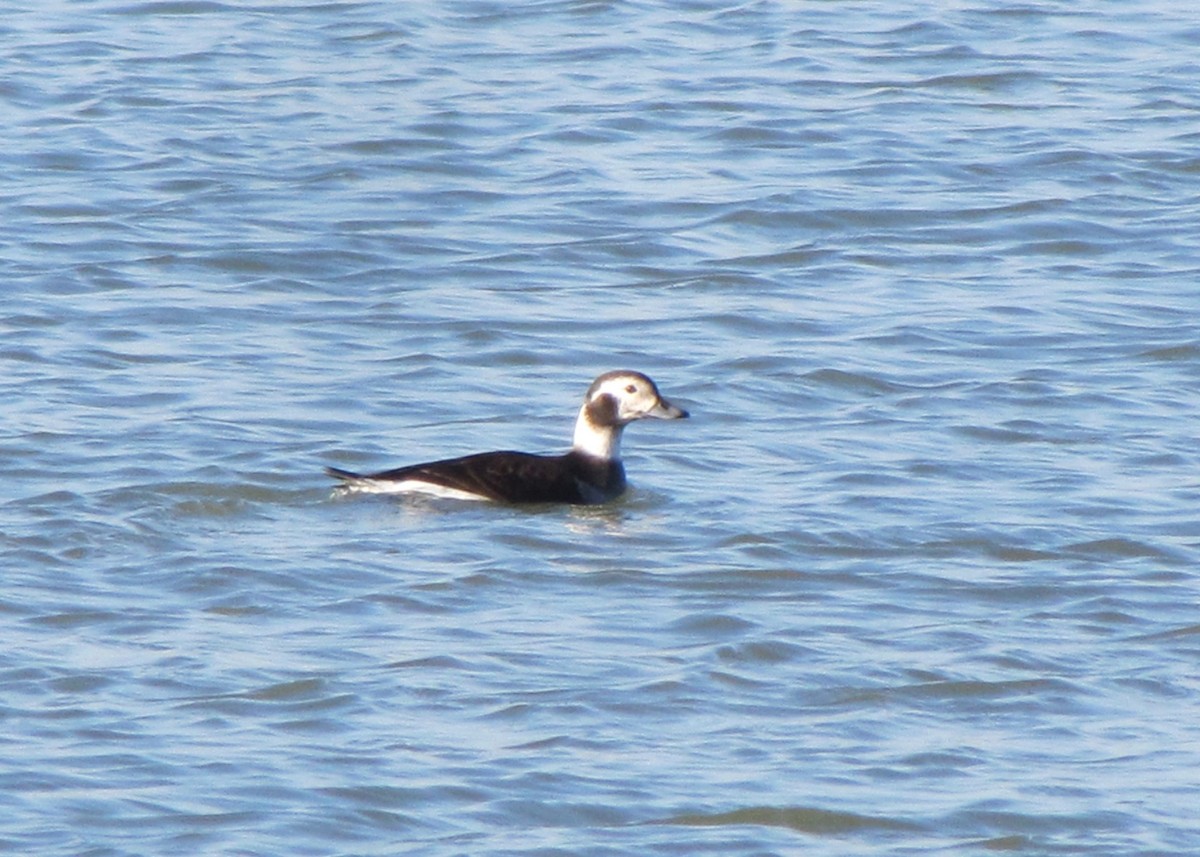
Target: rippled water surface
(919, 576)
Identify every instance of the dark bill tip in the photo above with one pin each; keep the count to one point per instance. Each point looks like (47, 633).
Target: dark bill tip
(667, 411)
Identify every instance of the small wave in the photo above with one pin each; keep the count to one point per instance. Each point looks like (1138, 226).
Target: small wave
(802, 819)
(859, 382)
(1119, 548)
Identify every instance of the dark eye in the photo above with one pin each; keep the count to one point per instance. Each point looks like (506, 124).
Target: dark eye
(630, 388)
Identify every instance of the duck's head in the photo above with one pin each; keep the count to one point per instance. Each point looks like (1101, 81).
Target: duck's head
(614, 400)
(618, 398)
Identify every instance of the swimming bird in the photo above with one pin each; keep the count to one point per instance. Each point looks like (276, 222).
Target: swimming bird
(590, 473)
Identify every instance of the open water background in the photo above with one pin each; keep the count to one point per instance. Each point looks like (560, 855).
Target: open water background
(919, 577)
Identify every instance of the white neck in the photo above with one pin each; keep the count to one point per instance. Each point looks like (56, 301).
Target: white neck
(597, 441)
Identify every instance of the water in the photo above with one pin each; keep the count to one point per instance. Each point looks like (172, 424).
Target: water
(919, 575)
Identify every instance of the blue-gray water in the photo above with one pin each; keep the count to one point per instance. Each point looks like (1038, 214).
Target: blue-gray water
(920, 576)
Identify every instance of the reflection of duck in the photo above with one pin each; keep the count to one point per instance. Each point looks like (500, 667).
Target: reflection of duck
(590, 473)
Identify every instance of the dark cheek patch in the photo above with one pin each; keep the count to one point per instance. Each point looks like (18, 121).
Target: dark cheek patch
(602, 411)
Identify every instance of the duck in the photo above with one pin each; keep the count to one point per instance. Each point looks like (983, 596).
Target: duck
(590, 473)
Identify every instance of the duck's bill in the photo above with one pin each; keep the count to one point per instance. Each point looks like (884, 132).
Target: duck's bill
(664, 410)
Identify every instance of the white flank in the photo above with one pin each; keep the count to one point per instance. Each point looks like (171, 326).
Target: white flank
(405, 486)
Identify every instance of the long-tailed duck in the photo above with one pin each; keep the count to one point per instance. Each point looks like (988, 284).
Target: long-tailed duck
(590, 473)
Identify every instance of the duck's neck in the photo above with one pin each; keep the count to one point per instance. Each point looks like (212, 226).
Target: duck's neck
(598, 441)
